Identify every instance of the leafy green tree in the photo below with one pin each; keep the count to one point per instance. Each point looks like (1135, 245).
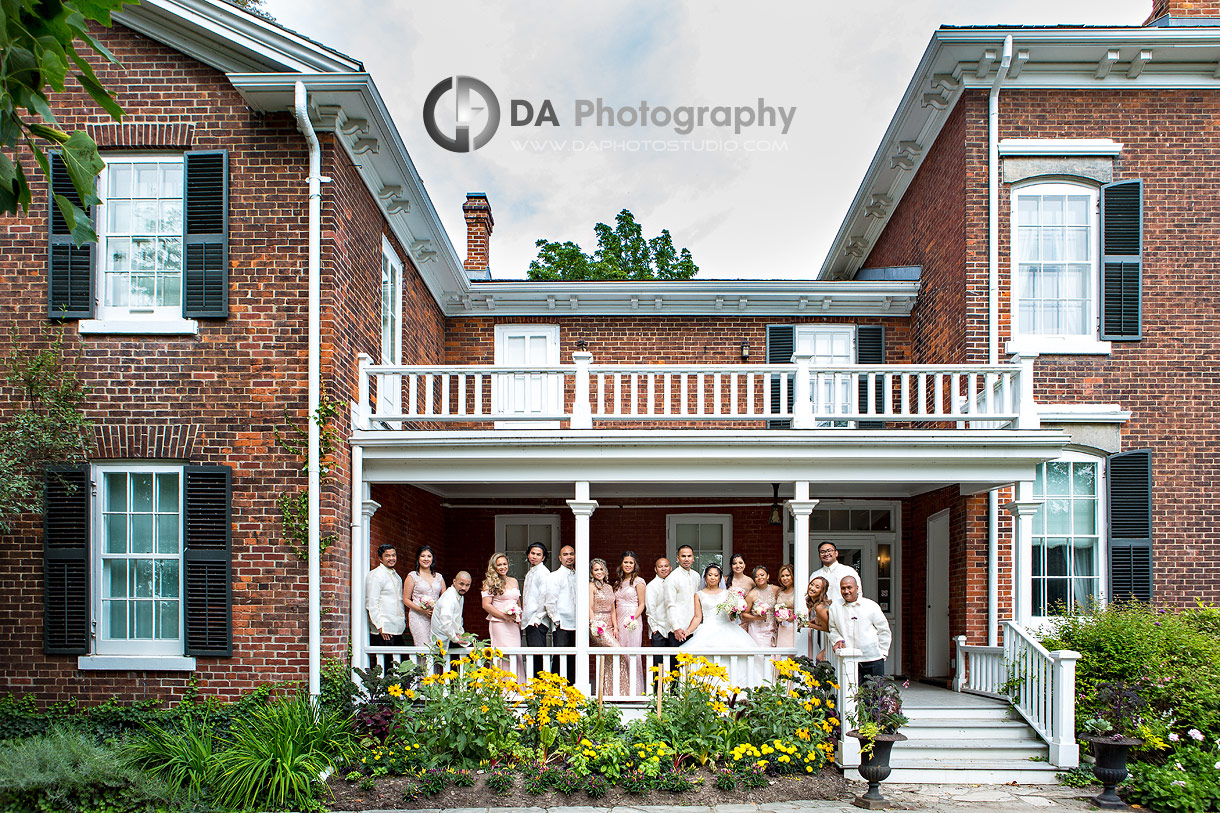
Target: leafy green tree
(43, 424)
(255, 7)
(37, 52)
(622, 253)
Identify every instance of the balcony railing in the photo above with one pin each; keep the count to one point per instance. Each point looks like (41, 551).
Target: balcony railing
(808, 396)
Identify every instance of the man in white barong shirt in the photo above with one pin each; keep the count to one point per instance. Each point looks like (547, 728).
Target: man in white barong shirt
(654, 605)
(858, 623)
(561, 604)
(680, 589)
(833, 571)
(535, 623)
(447, 625)
(383, 601)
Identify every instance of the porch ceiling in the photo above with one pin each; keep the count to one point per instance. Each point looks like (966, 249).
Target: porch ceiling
(699, 463)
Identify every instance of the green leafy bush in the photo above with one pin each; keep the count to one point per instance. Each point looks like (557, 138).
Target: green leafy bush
(276, 756)
(65, 771)
(1079, 777)
(1187, 782)
(184, 758)
(726, 779)
(1173, 654)
(433, 781)
(462, 778)
(501, 781)
(596, 786)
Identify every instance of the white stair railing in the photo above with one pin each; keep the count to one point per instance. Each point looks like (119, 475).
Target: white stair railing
(1041, 686)
(845, 662)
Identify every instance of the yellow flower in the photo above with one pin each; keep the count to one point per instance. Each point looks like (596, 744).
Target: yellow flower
(808, 769)
(395, 690)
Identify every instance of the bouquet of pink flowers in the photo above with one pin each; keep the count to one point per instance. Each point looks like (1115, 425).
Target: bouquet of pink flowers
(597, 628)
(733, 606)
(760, 609)
(784, 615)
(427, 604)
(631, 624)
(513, 612)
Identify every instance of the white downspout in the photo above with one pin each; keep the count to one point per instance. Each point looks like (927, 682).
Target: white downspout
(993, 327)
(314, 384)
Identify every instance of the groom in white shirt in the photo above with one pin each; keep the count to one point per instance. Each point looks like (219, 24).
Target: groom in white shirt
(680, 589)
(561, 604)
(383, 600)
(534, 620)
(859, 623)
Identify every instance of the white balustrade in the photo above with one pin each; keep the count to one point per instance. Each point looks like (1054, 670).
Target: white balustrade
(810, 396)
(846, 665)
(1041, 686)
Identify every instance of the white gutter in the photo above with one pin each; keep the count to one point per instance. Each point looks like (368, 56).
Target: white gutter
(993, 317)
(314, 384)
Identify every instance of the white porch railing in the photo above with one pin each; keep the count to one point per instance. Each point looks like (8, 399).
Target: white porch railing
(583, 393)
(845, 662)
(747, 668)
(1041, 686)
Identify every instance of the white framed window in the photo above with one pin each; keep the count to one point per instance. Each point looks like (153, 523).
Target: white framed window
(535, 395)
(829, 345)
(1055, 266)
(710, 535)
(140, 238)
(389, 387)
(516, 532)
(1068, 531)
(137, 560)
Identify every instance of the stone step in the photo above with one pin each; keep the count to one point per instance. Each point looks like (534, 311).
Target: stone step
(967, 729)
(998, 712)
(967, 772)
(953, 751)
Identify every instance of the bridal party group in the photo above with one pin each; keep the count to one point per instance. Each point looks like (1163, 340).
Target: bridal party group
(710, 610)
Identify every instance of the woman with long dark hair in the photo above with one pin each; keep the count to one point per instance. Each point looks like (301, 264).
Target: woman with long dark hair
(420, 591)
(629, 593)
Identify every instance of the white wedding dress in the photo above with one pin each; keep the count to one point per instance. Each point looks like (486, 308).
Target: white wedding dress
(719, 633)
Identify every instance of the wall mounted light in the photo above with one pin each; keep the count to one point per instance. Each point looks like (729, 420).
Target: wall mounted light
(777, 513)
(745, 349)
(582, 345)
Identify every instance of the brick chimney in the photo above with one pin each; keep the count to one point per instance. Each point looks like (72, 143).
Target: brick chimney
(479, 224)
(1183, 8)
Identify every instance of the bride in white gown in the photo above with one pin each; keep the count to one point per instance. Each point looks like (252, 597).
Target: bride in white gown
(714, 631)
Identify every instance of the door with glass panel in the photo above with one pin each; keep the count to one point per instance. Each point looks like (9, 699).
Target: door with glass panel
(829, 345)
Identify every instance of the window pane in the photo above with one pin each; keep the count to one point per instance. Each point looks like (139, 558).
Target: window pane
(114, 619)
(143, 288)
(1084, 479)
(142, 619)
(1053, 247)
(116, 533)
(1084, 517)
(1078, 210)
(819, 521)
(114, 578)
(167, 578)
(1058, 516)
(118, 253)
(169, 254)
(1077, 244)
(711, 537)
(1052, 210)
(171, 180)
(860, 520)
(1056, 556)
(515, 536)
(1056, 595)
(118, 217)
(839, 520)
(881, 520)
(540, 534)
(143, 254)
(167, 619)
(141, 492)
(1039, 594)
(1027, 209)
(688, 535)
(117, 287)
(142, 578)
(1057, 478)
(118, 180)
(1027, 244)
(144, 217)
(116, 491)
(167, 533)
(1039, 557)
(147, 181)
(141, 533)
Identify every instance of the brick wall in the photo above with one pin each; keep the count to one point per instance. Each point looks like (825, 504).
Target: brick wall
(218, 397)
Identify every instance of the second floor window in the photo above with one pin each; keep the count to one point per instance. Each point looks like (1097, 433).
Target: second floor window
(1054, 250)
(389, 392)
(140, 227)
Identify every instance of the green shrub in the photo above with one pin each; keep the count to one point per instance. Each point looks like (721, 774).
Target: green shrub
(634, 781)
(501, 781)
(596, 786)
(726, 780)
(533, 782)
(183, 758)
(65, 771)
(1187, 782)
(276, 755)
(566, 782)
(1079, 777)
(433, 781)
(461, 777)
(1173, 654)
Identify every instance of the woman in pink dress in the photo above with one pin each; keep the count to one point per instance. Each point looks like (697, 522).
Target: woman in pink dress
(603, 624)
(502, 602)
(817, 603)
(420, 592)
(785, 628)
(628, 602)
(760, 609)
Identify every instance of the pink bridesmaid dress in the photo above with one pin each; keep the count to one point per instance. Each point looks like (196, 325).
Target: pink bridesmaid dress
(506, 633)
(785, 631)
(627, 606)
(763, 632)
(603, 603)
(421, 624)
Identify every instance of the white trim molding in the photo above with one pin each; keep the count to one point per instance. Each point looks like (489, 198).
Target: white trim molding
(136, 663)
(1060, 146)
(1083, 413)
(1032, 345)
(134, 327)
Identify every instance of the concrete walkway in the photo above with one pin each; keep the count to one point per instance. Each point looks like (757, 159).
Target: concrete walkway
(947, 798)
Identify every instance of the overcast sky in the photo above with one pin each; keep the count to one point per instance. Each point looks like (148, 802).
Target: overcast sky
(758, 204)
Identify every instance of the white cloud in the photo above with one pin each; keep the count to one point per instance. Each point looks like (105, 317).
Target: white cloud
(742, 214)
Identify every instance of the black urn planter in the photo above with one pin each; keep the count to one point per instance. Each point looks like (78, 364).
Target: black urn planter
(875, 768)
(1110, 767)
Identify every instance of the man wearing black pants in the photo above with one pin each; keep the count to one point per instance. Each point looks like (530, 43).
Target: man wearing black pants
(858, 623)
(534, 620)
(561, 605)
(654, 606)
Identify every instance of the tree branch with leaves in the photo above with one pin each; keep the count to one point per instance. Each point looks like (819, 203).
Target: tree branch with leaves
(38, 53)
(622, 253)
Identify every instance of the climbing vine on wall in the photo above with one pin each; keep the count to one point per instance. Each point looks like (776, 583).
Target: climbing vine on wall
(294, 504)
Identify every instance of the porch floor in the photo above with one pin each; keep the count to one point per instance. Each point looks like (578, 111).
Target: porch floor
(925, 695)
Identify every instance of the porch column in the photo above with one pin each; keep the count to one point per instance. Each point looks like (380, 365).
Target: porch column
(363, 508)
(801, 507)
(583, 508)
(1023, 509)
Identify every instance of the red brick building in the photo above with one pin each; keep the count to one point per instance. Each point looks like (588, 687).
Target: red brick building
(1011, 322)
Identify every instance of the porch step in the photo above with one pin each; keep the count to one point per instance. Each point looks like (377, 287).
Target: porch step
(968, 772)
(951, 730)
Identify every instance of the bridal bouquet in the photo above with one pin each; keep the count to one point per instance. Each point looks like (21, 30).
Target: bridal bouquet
(733, 606)
(428, 604)
(597, 629)
(784, 615)
(631, 624)
(513, 612)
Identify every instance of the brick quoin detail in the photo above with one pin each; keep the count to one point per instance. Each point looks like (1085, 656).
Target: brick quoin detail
(134, 135)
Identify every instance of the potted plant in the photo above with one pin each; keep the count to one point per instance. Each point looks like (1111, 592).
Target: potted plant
(1112, 733)
(876, 719)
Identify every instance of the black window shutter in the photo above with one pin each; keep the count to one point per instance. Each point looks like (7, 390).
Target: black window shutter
(207, 561)
(206, 203)
(65, 560)
(870, 349)
(1122, 244)
(780, 347)
(69, 266)
(1130, 525)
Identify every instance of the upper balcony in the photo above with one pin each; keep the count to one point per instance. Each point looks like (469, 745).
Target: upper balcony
(798, 395)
